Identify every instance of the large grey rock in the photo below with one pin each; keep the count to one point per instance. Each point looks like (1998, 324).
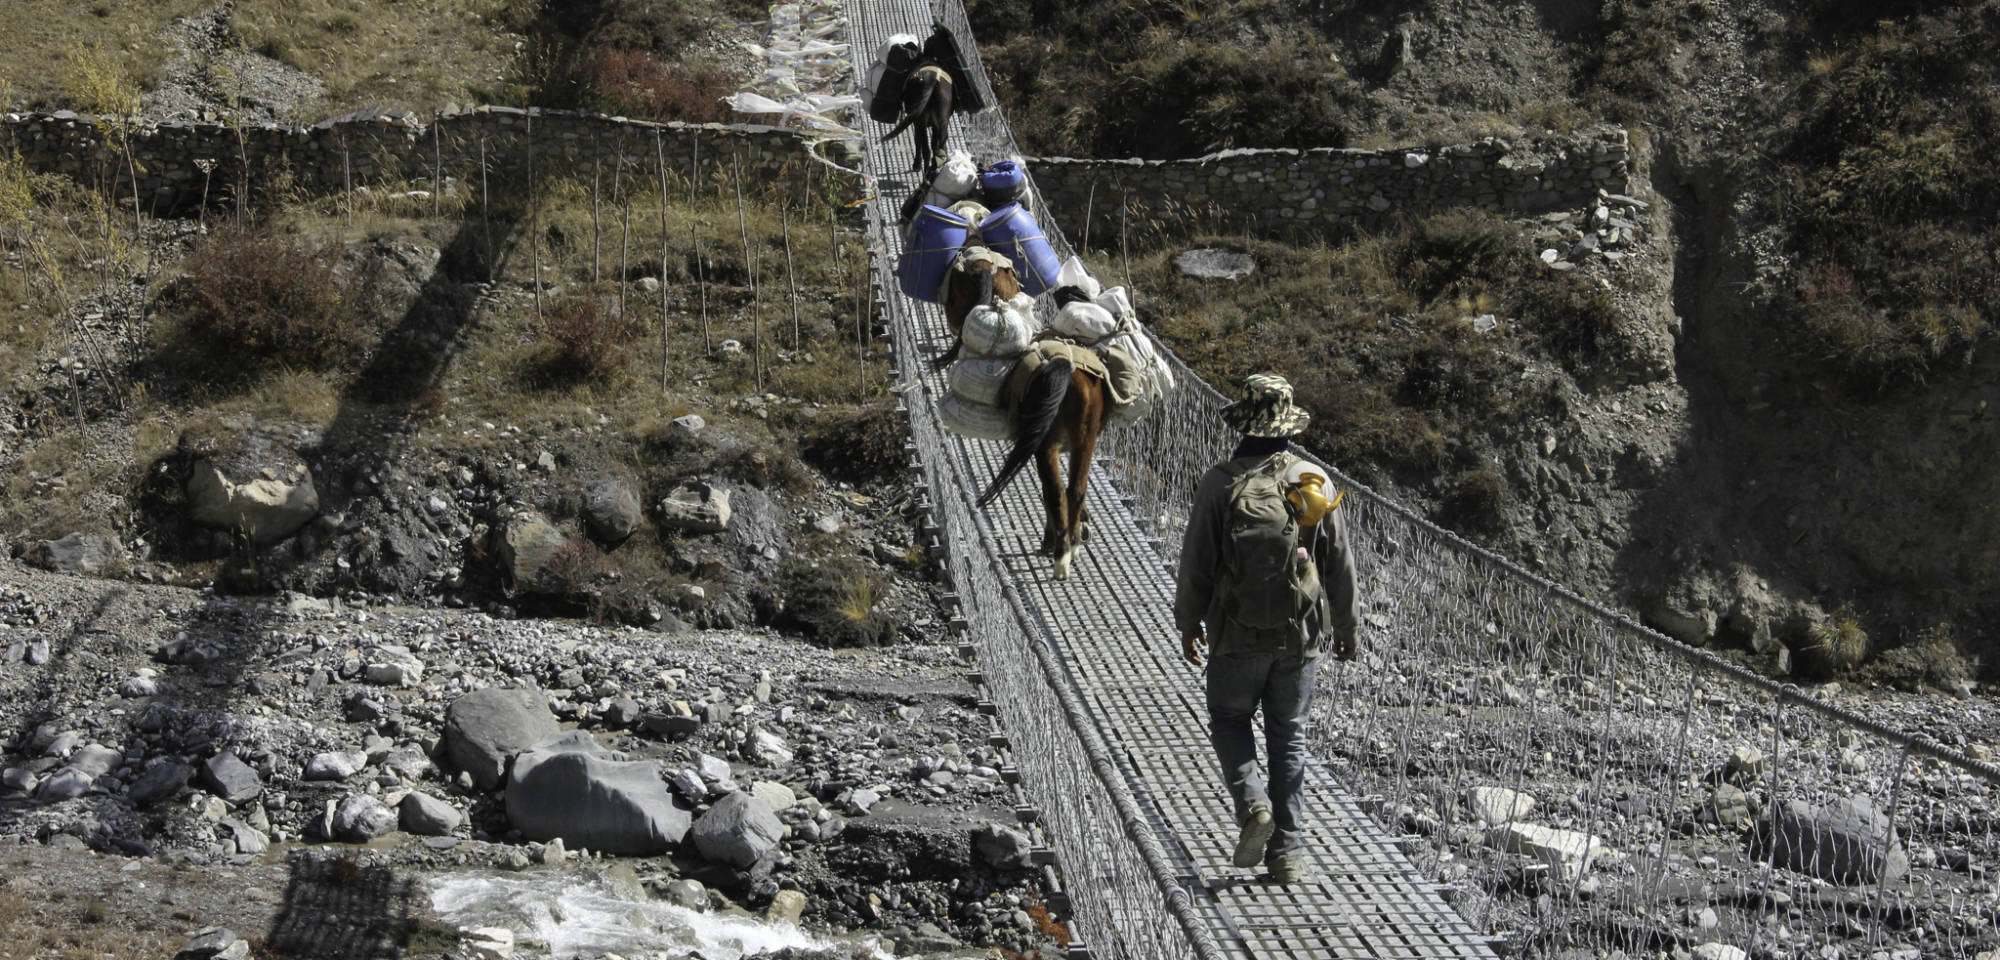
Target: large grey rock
(485, 727)
(159, 783)
(529, 548)
(1847, 841)
(360, 818)
(1570, 853)
(1497, 805)
(248, 839)
(230, 778)
(427, 816)
(335, 766)
(1003, 847)
(570, 789)
(696, 508)
(767, 749)
(393, 666)
(78, 553)
(96, 759)
(207, 944)
(738, 830)
(249, 484)
(65, 784)
(611, 511)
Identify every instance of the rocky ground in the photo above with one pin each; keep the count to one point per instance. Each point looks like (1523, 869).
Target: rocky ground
(281, 749)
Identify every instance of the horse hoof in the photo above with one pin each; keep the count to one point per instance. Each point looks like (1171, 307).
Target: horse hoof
(1062, 567)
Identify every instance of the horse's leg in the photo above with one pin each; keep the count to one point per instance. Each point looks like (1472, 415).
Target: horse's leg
(1083, 445)
(1048, 466)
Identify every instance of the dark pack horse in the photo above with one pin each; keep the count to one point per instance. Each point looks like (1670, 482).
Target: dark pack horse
(927, 103)
(1062, 411)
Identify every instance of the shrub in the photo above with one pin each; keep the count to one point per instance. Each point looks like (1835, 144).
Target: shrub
(583, 337)
(1477, 501)
(834, 602)
(1576, 321)
(857, 443)
(254, 299)
(1829, 647)
(1457, 253)
(635, 83)
(1932, 659)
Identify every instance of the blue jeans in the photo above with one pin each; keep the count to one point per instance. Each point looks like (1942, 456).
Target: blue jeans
(1283, 683)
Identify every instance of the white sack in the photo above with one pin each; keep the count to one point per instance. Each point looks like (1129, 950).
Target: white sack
(980, 379)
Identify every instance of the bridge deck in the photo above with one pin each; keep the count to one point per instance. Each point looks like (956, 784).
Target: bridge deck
(1111, 626)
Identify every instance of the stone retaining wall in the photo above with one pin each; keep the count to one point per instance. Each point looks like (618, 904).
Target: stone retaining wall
(398, 146)
(1283, 192)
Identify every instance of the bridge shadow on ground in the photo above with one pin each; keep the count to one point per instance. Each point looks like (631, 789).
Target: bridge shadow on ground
(336, 906)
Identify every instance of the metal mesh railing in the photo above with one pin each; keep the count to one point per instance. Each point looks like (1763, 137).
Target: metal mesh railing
(1677, 798)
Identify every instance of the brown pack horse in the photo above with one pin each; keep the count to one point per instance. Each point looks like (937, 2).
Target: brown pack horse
(1061, 412)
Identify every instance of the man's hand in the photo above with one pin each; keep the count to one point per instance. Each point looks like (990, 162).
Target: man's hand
(1344, 645)
(1191, 645)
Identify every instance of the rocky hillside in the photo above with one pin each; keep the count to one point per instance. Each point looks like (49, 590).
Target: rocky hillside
(1776, 428)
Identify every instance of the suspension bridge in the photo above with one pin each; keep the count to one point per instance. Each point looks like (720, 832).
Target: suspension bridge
(1476, 673)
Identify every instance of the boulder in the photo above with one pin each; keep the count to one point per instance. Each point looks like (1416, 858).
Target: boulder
(427, 816)
(767, 749)
(96, 760)
(208, 944)
(1568, 852)
(738, 830)
(529, 547)
(230, 778)
(777, 796)
(65, 784)
(249, 484)
(1004, 847)
(360, 818)
(786, 907)
(570, 789)
(1848, 841)
(78, 553)
(611, 511)
(1498, 805)
(159, 783)
(486, 727)
(696, 508)
(393, 666)
(335, 766)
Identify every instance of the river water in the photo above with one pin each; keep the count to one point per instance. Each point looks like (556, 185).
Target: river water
(562, 914)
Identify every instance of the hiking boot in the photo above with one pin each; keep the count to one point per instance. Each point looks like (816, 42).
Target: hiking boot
(1257, 829)
(1285, 868)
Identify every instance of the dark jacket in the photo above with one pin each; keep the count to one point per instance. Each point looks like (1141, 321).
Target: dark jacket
(1201, 589)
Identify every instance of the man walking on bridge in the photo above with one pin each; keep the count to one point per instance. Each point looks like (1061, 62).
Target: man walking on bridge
(1265, 567)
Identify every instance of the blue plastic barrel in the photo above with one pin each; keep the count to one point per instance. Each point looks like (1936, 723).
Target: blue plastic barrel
(1012, 232)
(934, 239)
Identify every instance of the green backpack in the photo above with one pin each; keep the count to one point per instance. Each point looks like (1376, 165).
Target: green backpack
(1270, 579)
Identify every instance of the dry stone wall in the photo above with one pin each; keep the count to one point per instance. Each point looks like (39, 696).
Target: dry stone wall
(374, 147)
(1282, 192)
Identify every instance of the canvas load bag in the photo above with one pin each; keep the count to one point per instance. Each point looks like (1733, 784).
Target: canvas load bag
(1002, 332)
(980, 379)
(980, 421)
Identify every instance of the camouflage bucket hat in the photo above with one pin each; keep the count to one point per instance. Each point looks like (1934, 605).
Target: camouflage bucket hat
(1266, 409)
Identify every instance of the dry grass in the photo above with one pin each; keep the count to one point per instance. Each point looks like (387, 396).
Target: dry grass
(410, 55)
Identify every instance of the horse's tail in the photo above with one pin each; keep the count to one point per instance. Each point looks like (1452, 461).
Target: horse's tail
(912, 113)
(1033, 418)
